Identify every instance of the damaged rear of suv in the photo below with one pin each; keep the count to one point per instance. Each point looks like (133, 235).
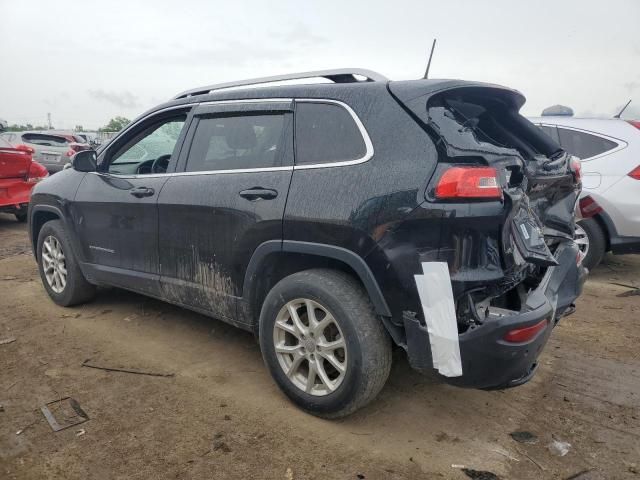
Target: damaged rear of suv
(506, 267)
(333, 220)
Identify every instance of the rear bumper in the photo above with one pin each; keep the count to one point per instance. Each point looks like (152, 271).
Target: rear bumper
(14, 208)
(487, 360)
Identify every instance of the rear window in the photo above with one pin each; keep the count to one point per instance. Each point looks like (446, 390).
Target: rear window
(238, 142)
(45, 140)
(474, 118)
(326, 133)
(584, 145)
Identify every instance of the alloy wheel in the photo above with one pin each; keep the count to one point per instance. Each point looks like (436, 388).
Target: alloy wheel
(582, 240)
(310, 347)
(54, 264)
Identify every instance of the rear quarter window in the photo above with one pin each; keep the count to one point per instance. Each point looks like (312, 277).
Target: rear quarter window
(45, 140)
(326, 133)
(582, 144)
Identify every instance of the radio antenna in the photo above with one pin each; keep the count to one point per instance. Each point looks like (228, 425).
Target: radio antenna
(433, 47)
(623, 109)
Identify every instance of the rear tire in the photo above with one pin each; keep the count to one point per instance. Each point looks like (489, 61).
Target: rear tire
(59, 270)
(350, 376)
(596, 242)
(21, 217)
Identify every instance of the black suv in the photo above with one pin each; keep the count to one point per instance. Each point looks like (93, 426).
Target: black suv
(333, 220)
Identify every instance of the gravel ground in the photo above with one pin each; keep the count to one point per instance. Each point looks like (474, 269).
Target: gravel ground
(220, 415)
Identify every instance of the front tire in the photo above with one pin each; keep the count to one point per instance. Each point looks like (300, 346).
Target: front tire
(323, 343)
(61, 276)
(592, 242)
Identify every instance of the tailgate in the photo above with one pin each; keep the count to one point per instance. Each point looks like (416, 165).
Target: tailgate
(479, 125)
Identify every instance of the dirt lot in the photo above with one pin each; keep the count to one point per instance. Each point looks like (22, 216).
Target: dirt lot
(220, 416)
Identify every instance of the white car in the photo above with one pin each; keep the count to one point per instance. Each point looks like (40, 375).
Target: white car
(609, 150)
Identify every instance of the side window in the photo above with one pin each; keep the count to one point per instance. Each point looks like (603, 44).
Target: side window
(326, 133)
(583, 145)
(149, 150)
(238, 142)
(551, 131)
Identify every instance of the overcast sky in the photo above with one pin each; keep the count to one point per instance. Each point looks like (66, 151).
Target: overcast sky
(85, 62)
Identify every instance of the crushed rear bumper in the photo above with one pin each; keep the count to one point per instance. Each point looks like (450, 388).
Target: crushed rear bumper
(488, 361)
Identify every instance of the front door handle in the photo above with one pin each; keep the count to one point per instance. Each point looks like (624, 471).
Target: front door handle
(140, 192)
(259, 193)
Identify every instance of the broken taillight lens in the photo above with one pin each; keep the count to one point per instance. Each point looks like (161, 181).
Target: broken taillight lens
(589, 207)
(469, 182)
(521, 335)
(635, 173)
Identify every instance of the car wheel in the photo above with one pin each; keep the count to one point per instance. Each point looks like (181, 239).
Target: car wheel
(59, 270)
(21, 217)
(591, 242)
(323, 342)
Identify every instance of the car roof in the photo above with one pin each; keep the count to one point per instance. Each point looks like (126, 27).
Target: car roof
(332, 91)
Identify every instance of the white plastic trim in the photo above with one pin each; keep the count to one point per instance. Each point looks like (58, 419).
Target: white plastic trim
(436, 297)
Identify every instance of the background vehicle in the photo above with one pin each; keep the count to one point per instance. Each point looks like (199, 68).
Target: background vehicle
(51, 150)
(18, 175)
(609, 150)
(428, 213)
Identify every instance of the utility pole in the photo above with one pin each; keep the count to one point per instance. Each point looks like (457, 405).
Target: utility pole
(49, 120)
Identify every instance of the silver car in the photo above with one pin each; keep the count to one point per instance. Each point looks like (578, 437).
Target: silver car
(51, 150)
(609, 150)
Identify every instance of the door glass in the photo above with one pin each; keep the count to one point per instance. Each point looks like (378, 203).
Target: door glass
(237, 142)
(149, 150)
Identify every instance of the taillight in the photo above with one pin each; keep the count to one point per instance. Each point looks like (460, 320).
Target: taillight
(521, 335)
(25, 148)
(576, 168)
(635, 123)
(36, 173)
(635, 173)
(589, 207)
(469, 182)
(70, 153)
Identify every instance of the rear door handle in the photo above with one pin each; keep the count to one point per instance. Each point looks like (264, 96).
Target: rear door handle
(259, 193)
(140, 192)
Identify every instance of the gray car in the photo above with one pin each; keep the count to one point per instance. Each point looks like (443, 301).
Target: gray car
(51, 150)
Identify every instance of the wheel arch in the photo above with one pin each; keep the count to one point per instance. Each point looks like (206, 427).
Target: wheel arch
(275, 259)
(41, 214)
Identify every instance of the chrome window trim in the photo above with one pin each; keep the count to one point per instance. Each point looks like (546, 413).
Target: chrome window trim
(341, 163)
(621, 144)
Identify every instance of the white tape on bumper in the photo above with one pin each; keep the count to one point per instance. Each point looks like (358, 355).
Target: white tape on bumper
(436, 297)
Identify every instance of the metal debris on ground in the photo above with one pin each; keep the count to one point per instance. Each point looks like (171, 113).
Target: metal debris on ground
(480, 474)
(6, 341)
(559, 448)
(524, 437)
(80, 432)
(125, 370)
(64, 413)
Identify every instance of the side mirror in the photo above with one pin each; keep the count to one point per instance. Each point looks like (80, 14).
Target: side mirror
(85, 161)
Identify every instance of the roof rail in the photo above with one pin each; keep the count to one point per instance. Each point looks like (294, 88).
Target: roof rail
(340, 75)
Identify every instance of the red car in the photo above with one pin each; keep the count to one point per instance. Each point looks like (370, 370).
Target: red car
(18, 174)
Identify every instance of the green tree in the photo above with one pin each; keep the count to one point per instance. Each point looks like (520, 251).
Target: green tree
(115, 124)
